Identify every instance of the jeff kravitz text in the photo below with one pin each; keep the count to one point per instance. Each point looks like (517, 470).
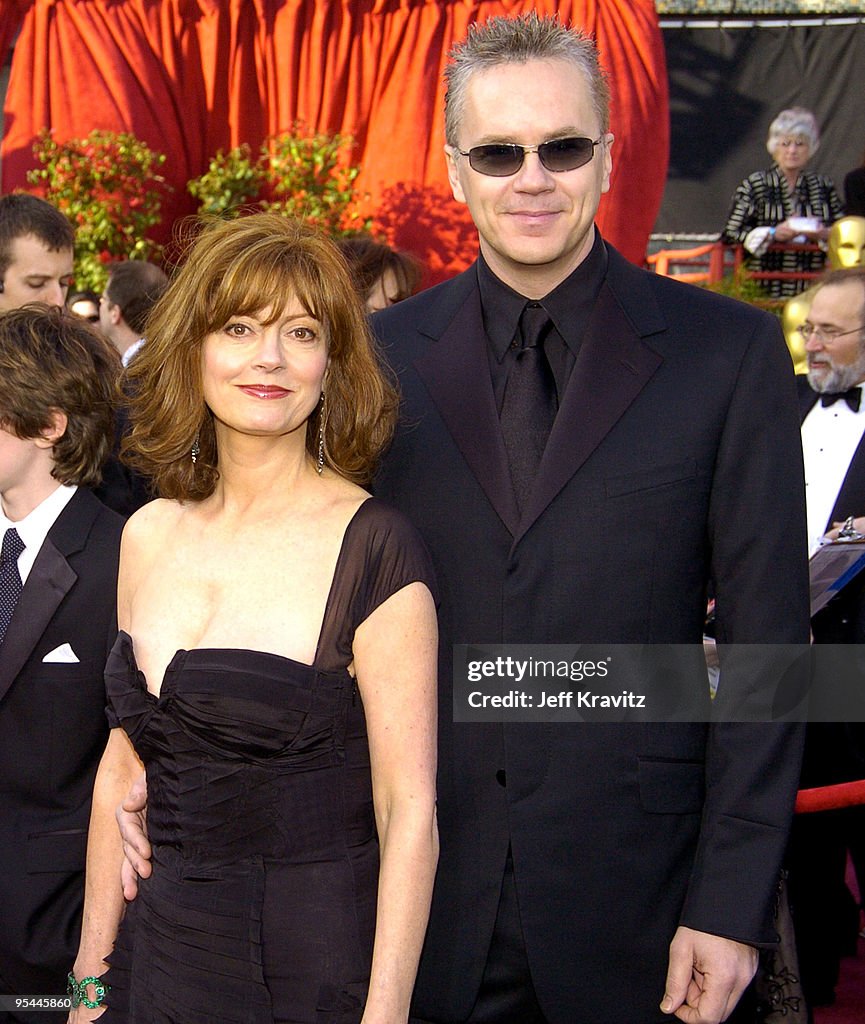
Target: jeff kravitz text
(563, 699)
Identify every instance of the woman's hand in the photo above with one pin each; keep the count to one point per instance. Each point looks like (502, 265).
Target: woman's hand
(783, 232)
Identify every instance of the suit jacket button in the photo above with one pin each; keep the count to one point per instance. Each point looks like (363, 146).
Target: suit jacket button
(501, 777)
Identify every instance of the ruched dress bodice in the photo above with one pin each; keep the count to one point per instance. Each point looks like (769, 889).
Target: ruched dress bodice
(261, 905)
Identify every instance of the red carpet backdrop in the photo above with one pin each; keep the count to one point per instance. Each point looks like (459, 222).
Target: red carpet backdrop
(192, 76)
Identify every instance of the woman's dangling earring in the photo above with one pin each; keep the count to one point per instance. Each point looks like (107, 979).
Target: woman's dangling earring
(196, 450)
(319, 465)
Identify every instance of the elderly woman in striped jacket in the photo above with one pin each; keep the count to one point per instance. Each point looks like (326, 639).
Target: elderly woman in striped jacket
(785, 204)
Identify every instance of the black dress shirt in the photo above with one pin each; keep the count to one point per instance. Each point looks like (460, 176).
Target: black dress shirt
(569, 305)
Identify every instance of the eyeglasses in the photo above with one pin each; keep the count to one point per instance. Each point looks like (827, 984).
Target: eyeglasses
(824, 334)
(501, 159)
(787, 143)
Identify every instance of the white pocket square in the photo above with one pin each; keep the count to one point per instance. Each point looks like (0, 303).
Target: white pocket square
(61, 655)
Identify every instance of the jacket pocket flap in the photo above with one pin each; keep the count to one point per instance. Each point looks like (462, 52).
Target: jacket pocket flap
(65, 850)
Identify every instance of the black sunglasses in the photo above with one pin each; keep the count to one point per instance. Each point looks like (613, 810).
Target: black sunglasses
(501, 159)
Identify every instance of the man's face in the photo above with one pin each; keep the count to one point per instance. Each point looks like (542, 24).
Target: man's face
(836, 351)
(536, 225)
(35, 274)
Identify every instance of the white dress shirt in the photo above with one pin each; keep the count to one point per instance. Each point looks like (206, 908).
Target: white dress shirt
(133, 350)
(830, 437)
(34, 527)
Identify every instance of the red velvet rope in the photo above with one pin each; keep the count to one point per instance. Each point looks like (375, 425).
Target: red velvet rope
(828, 798)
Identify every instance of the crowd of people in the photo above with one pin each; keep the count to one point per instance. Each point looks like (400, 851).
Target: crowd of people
(236, 784)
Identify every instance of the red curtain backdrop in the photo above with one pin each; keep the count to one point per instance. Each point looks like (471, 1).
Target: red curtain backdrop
(193, 76)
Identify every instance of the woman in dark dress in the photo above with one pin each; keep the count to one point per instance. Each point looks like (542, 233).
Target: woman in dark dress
(275, 669)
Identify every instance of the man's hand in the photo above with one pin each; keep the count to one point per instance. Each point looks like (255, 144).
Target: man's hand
(707, 976)
(858, 525)
(132, 819)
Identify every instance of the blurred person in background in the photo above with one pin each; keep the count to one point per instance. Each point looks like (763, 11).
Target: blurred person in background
(36, 250)
(84, 304)
(854, 191)
(785, 204)
(846, 248)
(132, 291)
(381, 275)
(133, 288)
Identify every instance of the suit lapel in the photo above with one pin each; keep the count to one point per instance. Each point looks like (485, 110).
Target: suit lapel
(48, 582)
(612, 368)
(455, 371)
(850, 497)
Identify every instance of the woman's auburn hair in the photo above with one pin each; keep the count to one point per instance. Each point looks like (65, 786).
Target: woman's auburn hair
(240, 268)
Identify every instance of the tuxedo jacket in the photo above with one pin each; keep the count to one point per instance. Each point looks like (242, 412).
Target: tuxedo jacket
(53, 731)
(843, 619)
(674, 462)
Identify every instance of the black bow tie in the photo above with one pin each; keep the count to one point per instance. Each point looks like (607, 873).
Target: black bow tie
(853, 396)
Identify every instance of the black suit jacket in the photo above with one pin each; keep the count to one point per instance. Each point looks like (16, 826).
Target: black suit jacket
(53, 731)
(675, 441)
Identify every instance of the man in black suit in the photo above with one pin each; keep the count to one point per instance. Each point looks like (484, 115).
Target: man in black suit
(833, 442)
(585, 448)
(592, 494)
(133, 289)
(57, 618)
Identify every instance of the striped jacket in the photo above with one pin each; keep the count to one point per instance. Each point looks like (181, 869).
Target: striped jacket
(763, 199)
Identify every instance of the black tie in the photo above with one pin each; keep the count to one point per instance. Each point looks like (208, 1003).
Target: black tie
(852, 396)
(10, 578)
(529, 404)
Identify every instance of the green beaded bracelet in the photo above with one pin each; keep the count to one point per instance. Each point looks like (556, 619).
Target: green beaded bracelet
(77, 991)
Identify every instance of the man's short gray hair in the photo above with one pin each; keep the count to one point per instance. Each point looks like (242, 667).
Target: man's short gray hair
(794, 121)
(516, 41)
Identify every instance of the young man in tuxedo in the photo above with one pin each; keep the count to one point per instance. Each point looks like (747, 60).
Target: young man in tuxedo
(36, 248)
(585, 447)
(58, 575)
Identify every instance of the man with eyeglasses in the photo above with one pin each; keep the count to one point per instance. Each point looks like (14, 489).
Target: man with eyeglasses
(585, 447)
(833, 442)
(833, 418)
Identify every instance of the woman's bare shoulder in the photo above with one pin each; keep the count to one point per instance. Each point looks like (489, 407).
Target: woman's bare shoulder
(148, 527)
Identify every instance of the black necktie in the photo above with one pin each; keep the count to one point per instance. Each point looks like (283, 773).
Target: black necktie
(10, 578)
(529, 404)
(852, 396)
